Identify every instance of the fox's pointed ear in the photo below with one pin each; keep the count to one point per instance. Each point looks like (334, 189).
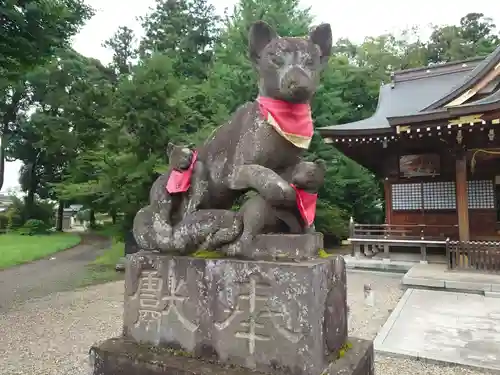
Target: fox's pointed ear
(322, 37)
(259, 37)
(170, 148)
(320, 163)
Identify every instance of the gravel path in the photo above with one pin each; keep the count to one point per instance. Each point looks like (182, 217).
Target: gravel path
(52, 335)
(54, 274)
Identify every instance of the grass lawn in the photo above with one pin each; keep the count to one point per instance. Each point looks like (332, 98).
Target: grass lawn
(16, 249)
(102, 269)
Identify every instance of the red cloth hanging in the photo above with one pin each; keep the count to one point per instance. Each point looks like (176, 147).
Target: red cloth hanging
(306, 203)
(292, 121)
(180, 181)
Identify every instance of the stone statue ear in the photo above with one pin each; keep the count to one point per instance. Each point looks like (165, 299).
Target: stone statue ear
(320, 163)
(322, 36)
(259, 37)
(170, 148)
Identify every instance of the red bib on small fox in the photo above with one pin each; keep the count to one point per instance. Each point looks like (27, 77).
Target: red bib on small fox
(306, 203)
(180, 181)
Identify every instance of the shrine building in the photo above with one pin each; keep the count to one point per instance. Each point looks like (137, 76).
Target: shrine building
(434, 140)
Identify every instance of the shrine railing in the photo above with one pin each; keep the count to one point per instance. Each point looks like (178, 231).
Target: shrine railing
(473, 255)
(402, 232)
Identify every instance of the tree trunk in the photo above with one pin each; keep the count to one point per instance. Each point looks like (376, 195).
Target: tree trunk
(10, 116)
(60, 215)
(113, 215)
(29, 203)
(128, 221)
(30, 198)
(92, 218)
(2, 159)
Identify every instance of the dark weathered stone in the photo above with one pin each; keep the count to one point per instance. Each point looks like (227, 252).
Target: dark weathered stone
(166, 204)
(263, 217)
(256, 314)
(170, 221)
(285, 246)
(131, 246)
(120, 356)
(203, 229)
(246, 153)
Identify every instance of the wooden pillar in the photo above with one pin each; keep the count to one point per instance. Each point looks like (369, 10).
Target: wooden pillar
(462, 201)
(388, 212)
(388, 201)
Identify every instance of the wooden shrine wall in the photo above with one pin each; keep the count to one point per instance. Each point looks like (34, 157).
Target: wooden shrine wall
(482, 223)
(432, 201)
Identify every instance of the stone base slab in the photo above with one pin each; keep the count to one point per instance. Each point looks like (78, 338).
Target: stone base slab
(120, 356)
(255, 314)
(285, 246)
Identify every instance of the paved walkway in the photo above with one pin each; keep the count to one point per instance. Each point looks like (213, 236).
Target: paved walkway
(445, 327)
(46, 276)
(438, 276)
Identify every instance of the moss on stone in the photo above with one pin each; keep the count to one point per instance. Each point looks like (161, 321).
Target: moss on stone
(147, 349)
(323, 254)
(341, 352)
(180, 353)
(208, 254)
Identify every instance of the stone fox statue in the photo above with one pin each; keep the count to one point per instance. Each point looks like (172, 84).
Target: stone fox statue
(307, 178)
(179, 191)
(203, 229)
(265, 138)
(259, 216)
(171, 222)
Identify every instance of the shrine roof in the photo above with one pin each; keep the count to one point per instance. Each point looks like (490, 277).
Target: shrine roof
(420, 94)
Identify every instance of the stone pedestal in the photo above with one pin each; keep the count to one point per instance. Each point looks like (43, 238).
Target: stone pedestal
(271, 317)
(120, 356)
(296, 247)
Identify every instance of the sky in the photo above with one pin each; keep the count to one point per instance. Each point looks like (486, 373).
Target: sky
(354, 19)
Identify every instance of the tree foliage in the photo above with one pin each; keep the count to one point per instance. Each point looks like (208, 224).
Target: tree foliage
(30, 32)
(96, 135)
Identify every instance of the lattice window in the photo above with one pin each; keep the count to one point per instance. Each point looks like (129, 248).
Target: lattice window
(439, 195)
(481, 194)
(406, 197)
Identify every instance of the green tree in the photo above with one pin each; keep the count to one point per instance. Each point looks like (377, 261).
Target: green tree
(122, 43)
(233, 80)
(475, 35)
(68, 95)
(32, 29)
(30, 32)
(184, 29)
(147, 113)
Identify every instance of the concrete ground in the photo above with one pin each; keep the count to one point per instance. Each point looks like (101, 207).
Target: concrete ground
(445, 327)
(398, 262)
(438, 276)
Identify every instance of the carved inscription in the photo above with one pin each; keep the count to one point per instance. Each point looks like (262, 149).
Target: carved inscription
(150, 304)
(174, 300)
(252, 319)
(249, 314)
(158, 299)
(283, 326)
